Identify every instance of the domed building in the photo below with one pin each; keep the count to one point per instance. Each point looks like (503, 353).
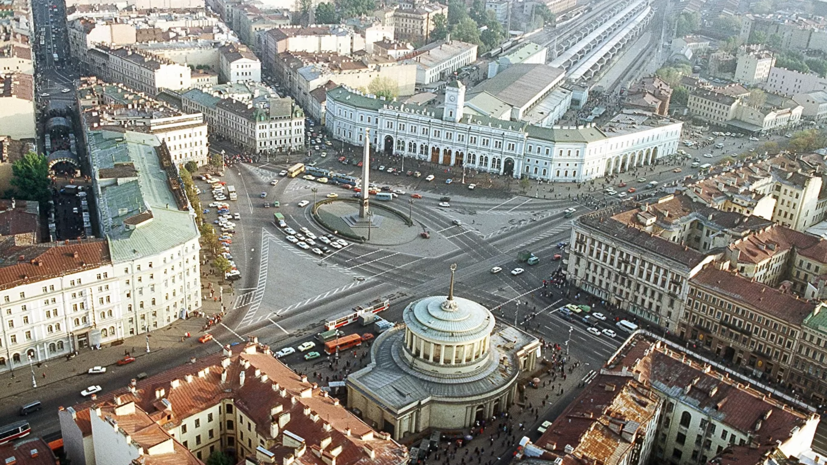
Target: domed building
(450, 365)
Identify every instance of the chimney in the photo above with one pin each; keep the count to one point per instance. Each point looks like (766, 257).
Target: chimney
(241, 376)
(159, 393)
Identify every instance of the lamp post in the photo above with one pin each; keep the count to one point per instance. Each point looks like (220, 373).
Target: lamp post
(34, 380)
(567, 341)
(314, 190)
(147, 339)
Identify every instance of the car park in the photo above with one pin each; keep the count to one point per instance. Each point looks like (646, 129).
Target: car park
(496, 270)
(517, 271)
(594, 331)
(284, 352)
(90, 390)
(97, 370)
(306, 346)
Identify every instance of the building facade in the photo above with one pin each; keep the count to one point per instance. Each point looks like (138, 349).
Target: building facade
(753, 68)
(139, 70)
(447, 136)
(438, 61)
(17, 106)
(788, 82)
(238, 63)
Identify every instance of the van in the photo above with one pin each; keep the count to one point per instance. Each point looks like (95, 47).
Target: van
(653, 184)
(533, 260)
(719, 145)
(31, 407)
(696, 164)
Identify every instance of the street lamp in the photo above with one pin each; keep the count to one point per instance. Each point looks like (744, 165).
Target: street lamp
(314, 190)
(147, 338)
(567, 341)
(34, 380)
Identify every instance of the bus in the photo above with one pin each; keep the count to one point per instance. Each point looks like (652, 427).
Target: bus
(384, 196)
(328, 335)
(627, 326)
(295, 170)
(317, 172)
(352, 316)
(16, 430)
(342, 343)
(278, 217)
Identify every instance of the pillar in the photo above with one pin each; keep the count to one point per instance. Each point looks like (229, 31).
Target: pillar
(431, 353)
(421, 347)
(442, 355)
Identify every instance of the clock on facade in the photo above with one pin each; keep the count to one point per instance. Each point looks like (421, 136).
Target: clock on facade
(452, 98)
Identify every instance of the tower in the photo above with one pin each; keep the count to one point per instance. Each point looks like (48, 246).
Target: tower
(454, 101)
(364, 201)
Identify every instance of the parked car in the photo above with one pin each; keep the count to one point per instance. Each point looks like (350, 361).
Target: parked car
(284, 352)
(306, 346)
(97, 370)
(90, 390)
(126, 360)
(594, 331)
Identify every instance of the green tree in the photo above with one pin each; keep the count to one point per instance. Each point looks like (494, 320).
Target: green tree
(525, 183)
(774, 42)
(218, 458)
(440, 27)
(672, 74)
(356, 8)
(725, 161)
(730, 45)
(209, 237)
(304, 11)
(493, 35)
(217, 160)
(757, 98)
(326, 14)
(817, 65)
(222, 264)
(383, 87)
(806, 141)
(31, 178)
(541, 10)
(770, 147)
(758, 37)
(467, 31)
(191, 166)
(688, 22)
(192, 194)
(792, 61)
(730, 25)
(478, 12)
(680, 96)
(457, 11)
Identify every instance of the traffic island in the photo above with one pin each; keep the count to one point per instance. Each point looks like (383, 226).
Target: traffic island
(384, 226)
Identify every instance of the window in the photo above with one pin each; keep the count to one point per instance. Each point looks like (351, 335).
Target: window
(209, 418)
(198, 440)
(197, 422)
(686, 418)
(681, 439)
(229, 409)
(211, 434)
(183, 428)
(230, 425)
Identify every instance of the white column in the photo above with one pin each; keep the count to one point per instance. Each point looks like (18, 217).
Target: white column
(421, 347)
(431, 353)
(442, 350)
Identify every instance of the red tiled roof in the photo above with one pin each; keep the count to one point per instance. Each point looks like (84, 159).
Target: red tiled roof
(21, 265)
(28, 451)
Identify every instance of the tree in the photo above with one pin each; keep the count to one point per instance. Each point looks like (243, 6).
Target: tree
(688, 22)
(493, 35)
(774, 42)
(758, 37)
(31, 178)
(770, 147)
(672, 74)
(817, 65)
(383, 87)
(440, 27)
(218, 458)
(730, 45)
(761, 8)
(222, 264)
(757, 98)
(478, 12)
(725, 161)
(730, 25)
(541, 10)
(807, 141)
(457, 11)
(191, 166)
(680, 95)
(525, 183)
(209, 237)
(326, 14)
(792, 61)
(356, 8)
(304, 11)
(466, 31)
(217, 160)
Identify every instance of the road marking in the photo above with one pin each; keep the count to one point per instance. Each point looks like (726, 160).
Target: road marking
(520, 205)
(237, 335)
(361, 256)
(398, 267)
(499, 205)
(219, 344)
(278, 325)
(460, 234)
(552, 305)
(372, 261)
(321, 296)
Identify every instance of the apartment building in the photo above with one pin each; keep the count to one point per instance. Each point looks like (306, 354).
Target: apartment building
(340, 40)
(642, 259)
(754, 68)
(238, 63)
(788, 82)
(413, 22)
(808, 369)
(713, 106)
(138, 70)
(113, 105)
(16, 58)
(814, 104)
(437, 61)
(143, 4)
(263, 123)
(17, 106)
(650, 93)
(242, 399)
(658, 402)
(730, 106)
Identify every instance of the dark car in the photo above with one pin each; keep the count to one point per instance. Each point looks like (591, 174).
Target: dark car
(445, 199)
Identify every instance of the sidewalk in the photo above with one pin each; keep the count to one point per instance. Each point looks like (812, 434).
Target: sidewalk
(58, 370)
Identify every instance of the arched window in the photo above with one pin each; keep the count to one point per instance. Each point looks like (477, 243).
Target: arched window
(686, 418)
(2, 361)
(57, 326)
(60, 345)
(109, 313)
(52, 348)
(50, 329)
(104, 333)
(77, 321)
(112, 331)
(15, 358)
(30, 353)
(103, 315)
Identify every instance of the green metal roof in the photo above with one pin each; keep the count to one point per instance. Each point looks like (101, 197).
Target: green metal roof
(566, 135)
(344, 95)
(817, 320)
(169, 227)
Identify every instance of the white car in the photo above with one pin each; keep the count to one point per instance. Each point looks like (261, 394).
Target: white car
(324, 240)
(517, 271)
(599, 316)
(444, 204)
(335, 245)
(570, 210)
(317, 251)
(707, 155)
(274, 182)
(237, 216)
(90, 390)
(97, 370)
(304, 203)
(283, 173)
(472, 187)
(342, 242)
(430, 178)
(65, 90)
(496, 270)
(310, 235)
(382, 168)
(303, 246)
(594, 331)
(754, 139)
(609, 332)
(286, 351)
(307, 346)
(304, 230)
(310, 242)
(292, 239)
(621, 195)
(290, 231)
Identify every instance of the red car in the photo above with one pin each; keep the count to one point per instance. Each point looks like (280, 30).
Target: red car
(205, 338)
(623, 184)
(632, 190)
(347, 186)
(126, 360)
(367, 337)
(416, 196)
(357, 189)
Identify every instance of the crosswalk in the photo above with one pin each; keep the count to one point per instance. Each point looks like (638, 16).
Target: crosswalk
(512, 227)
(549, 233)
(313, 299)
(264, 265)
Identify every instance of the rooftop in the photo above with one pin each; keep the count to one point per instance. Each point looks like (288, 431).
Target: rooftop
(436, 53)
(521, 84)
(23, 264)
(27, 451)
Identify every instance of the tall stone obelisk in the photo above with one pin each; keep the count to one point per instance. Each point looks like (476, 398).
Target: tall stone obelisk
(364, 207)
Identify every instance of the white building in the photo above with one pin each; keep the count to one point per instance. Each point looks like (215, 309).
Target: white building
(449, 136)
(139, 70)
(786, 82)
(265, 123)
(814, 104)
(17, 106)
(238, 63)
(437, 61)
(752, 68)
(16, 58)
(525, 53)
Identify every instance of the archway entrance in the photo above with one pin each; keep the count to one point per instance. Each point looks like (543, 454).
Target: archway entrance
(479, 413)
(460, 159)
(508, 168)
(388, 145)
(446, 157)
(435, 155)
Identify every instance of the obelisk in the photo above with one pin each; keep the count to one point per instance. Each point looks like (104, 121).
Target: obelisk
(364, 204)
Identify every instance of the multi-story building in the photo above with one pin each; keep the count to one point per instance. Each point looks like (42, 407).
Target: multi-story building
(657, 402)
(17, 106)
(814, 104)
(808, 369)
(238, 63)
(311, 39)
(144, 4)
(651, 94)
(242, 399)
(454, 136)
(730, 106)
(28, 451)
(16, 58)
(753, 68)
(85, 32)
(263, 123)
(501, 9)
(642, 259)
(138, 70)
(113, 105)
(413, 21)
(524, 53)
(788, 82)
(438, 61)
(713, 106)
(797, 32)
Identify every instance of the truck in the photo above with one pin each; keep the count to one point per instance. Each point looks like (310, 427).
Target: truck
(232, 192)
(528, 257)
(367, 318)
(382, 325)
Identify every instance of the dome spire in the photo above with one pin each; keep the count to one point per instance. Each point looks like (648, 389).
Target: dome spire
(450, 305)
